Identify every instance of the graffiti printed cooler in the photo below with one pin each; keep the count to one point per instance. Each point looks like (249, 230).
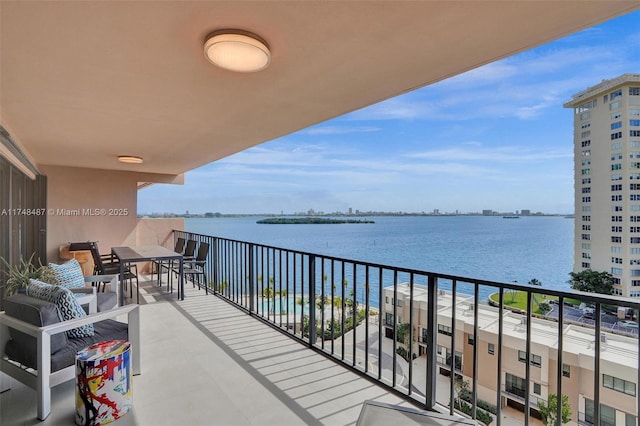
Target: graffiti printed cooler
(103, 382)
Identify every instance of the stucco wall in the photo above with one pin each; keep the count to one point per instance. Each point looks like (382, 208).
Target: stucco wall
(98, 205)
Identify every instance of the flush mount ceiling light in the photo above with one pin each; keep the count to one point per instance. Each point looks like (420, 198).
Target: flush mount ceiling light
(129, 159)
(237, 50)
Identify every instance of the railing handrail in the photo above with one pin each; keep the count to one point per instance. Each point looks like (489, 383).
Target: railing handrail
(253, 277)
(572, 294)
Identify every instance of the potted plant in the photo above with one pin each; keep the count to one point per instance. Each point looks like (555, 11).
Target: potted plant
(18, 276)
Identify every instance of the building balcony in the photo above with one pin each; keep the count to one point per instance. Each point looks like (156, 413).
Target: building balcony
(255, 348)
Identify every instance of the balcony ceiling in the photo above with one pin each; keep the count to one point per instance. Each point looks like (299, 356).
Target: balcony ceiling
(83, 82)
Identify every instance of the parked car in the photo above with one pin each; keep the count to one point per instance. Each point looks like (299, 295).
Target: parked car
(628, 324)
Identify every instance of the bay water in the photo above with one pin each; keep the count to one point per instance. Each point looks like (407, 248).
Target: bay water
(483, 247)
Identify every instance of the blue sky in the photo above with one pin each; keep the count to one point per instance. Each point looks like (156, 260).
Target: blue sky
(496, 137)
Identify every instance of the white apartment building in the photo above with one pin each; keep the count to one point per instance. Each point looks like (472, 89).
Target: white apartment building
(618, 355)
(607, 180)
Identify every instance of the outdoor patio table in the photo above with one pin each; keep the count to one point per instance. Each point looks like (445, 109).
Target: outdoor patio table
(147, 254)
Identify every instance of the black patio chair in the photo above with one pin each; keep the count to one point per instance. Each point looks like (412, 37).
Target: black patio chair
(108, 265)
(197, 267)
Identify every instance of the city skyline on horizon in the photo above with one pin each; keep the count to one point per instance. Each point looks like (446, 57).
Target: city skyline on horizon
(453, 145)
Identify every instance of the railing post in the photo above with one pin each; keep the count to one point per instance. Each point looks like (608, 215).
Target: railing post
(312, 300)
(252, 281)
(214, 264)
(432, 321)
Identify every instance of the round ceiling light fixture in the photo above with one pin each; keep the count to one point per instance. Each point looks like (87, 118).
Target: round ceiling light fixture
(237, 50)
(130, 159)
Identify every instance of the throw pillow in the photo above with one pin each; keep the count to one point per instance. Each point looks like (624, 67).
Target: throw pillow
(66, 302)
(68, 274)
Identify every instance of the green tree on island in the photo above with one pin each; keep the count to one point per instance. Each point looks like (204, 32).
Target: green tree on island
(592, 281)
(549, 410)
(534, 281)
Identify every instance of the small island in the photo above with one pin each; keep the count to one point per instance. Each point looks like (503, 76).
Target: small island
(309, 221)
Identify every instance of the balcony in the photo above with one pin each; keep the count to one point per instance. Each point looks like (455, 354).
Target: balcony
(255, 347)
(206, 362)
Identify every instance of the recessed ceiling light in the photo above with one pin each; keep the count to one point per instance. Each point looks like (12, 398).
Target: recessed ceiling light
(130, 159)
(237, 50)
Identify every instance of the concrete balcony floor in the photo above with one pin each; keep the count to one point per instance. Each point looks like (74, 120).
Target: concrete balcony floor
(204, 362)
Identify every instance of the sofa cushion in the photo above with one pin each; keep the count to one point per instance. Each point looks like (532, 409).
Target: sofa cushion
(69, 274)
(25, 352)
(36, 312)
(104, 330)
(66, 302)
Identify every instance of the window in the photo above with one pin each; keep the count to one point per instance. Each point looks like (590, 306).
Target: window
(566, 370)
(586, 190)
(619, 385)
(616, 125)
(586, 171)
(616, 115)
(616, 239)
(616, 166)
(586, 143)
(617, 156)
(634, 91)
(399, 303)
(617, 145)
(491, 348)
(471, 341)
(515, 385)
(634, 133)
(616, 271)
(537, 389)
(629, 419)
(607, 414)
(616, 135)
(534, 360)
(443, 329)
(616, 94)
(614, 105)
(388, 319)
(634, 123)
(386, 300)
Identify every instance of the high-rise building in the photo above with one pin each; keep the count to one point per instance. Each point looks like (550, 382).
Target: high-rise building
(607, 180)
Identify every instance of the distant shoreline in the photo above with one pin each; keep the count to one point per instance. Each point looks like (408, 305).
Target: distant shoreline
(309, 221)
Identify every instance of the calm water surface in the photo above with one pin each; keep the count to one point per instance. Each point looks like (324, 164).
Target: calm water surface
(490, 248)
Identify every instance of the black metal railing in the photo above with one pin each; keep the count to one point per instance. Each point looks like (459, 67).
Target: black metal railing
(338, 307)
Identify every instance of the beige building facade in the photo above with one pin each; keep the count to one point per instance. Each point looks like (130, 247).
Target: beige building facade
(606, 132)
(618, 355)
